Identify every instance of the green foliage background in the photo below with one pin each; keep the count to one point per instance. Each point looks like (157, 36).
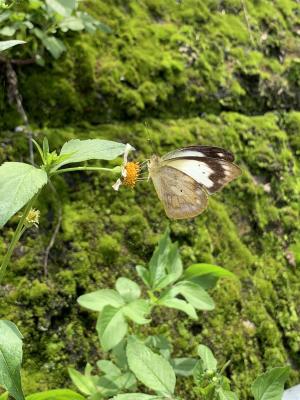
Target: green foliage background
(193, 70)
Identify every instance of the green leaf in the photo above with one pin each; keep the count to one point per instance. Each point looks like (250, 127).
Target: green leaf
(226, 395)
(143, 273)
(97, 300)
(119, 354)
(205, 281)
(8, 31)
(111, 327)
(58, 394)
(128, 289)
(165, 265)
(204, 269)
(4, 396)
(84, 383)
(91, 24)
(137, 310)
(19, 182)
(207, 357)
(62, 7)
(195, 295)
(11, 359)
(112, 385)
(55, 46)
(71, 23)
(270, 385)
(161, 343)
(91, 149)
(136, 396)
(108, 367)
(183, 366)
(181, 305)
(4, 16)
(4, 45)
(151, 369)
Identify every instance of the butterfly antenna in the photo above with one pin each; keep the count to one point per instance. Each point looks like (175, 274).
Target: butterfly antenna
(149, 136)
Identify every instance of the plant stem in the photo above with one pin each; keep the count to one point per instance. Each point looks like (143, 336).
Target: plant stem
(18, 233)
(61, 171)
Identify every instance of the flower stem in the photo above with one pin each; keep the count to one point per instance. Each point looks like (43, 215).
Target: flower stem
(18, 233)
(61, 171)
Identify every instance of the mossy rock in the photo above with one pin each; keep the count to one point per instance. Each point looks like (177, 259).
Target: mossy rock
(167, 59)
(248, 228)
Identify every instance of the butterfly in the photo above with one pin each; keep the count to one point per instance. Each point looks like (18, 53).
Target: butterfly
(184, 178)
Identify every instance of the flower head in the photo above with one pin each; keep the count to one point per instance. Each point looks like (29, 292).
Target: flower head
(129, 171)
(33, 218)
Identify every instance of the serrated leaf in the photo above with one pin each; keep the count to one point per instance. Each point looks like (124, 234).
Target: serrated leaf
(19, 182)
(111, 327)
(128, 289)
(11, 359)
(207, 357)
(195, 295)
(84, 383)
(205, 269)
(270, 385)
(151, 369)
(91, 149)
(4, 45)
(137, 310)
(58, 394)
(97, 300)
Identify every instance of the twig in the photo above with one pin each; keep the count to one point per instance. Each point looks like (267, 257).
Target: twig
(14, 96)
(54, 235)
(248, 22)
(26, 61)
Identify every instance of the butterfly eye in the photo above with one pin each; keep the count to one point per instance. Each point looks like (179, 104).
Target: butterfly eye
(132, 170)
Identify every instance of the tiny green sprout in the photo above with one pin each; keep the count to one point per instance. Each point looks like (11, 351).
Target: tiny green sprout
(210, 372)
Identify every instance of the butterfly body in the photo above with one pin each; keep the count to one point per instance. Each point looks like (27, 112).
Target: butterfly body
(184, 178)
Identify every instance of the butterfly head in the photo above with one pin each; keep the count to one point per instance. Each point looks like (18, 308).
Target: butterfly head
(153, 164)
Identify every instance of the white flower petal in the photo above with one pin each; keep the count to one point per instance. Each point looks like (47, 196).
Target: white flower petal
(117, 184)
(128, 149)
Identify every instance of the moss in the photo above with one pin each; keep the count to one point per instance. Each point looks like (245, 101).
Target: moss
(167, 59)
(247, 228)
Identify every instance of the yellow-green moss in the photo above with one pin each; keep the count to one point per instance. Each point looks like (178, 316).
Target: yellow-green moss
(248, 229)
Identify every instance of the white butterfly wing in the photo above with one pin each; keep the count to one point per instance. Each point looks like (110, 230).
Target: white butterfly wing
(212, 173)
(182, 196)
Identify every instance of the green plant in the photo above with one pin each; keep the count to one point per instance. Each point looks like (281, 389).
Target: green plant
(20, 186)
(136, 359)
(44, 26)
